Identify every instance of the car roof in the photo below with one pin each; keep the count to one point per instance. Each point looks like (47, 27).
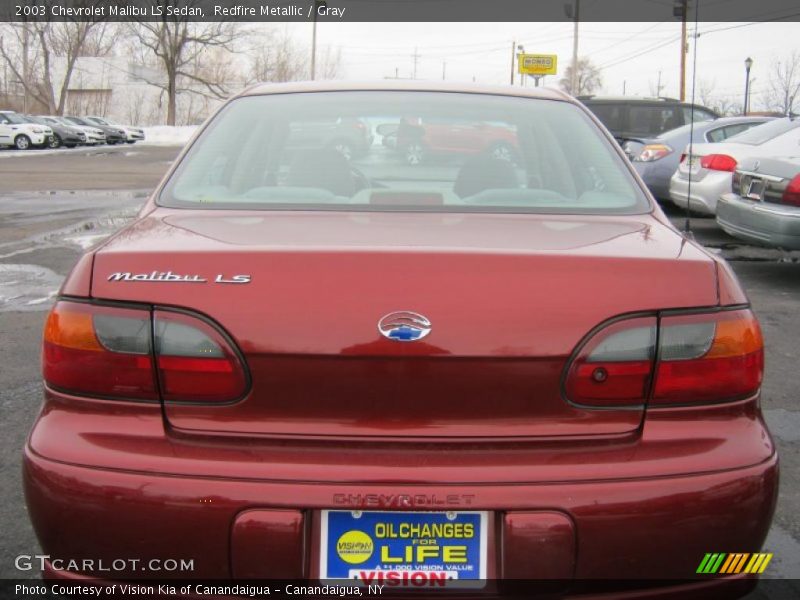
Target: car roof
(400, 85)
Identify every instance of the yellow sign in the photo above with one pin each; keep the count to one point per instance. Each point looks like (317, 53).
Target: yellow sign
(537, 64)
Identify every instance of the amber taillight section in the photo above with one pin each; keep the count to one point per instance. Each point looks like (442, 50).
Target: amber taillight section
(709, 358)
(99, 350)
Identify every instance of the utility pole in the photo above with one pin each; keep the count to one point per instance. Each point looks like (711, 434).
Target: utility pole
(415, 56)
(680, 9)
(573, 84)
(624, 83)
(658, 86)
(513, 49)
(444, 70)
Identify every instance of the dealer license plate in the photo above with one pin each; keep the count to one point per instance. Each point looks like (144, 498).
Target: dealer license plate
(408, 549)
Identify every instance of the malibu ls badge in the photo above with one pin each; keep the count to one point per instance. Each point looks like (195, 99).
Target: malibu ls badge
(404, 326)
(170, 277)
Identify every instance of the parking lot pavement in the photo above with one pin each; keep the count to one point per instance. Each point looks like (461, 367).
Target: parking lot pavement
(43, 233)
(122, 167)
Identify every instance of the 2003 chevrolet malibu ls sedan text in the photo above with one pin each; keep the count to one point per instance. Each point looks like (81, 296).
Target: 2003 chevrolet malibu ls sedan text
(297, 364)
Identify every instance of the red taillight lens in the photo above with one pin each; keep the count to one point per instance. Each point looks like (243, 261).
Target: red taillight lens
(108, 352)
(708, 358)
(791, 195)
(195, 362)
(99, 350)
(615, 367)
(718, 162)
(701, 358)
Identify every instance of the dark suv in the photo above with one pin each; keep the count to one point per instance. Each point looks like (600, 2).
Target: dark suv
(627, 117)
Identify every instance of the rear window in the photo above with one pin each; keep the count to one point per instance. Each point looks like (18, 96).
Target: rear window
(611, 115)
(766, 132)
(652, 120)
(404, 151)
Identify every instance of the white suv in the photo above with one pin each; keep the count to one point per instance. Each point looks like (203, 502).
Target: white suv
(16, 131)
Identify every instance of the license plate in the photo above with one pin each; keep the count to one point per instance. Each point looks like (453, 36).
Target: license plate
(755, 189)
(404, 549)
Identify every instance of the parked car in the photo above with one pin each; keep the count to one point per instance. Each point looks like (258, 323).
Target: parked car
(711, 166)
(302, 360)
(18, 132)
(418, 139)
(656, 159)
(764, 206)
(94, 135)
(62, 135)
(628, 117)
(114, 135)
(133, 134)
(350, 137)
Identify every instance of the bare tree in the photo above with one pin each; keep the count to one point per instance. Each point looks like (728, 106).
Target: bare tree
(329, 63)
(589, 78)
(720, 104)
(784, 84)
(277, 57)
(29, 48)
(180, 47)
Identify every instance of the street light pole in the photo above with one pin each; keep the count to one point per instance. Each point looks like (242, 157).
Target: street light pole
(748, 63)
(513, 47)
(520, 51)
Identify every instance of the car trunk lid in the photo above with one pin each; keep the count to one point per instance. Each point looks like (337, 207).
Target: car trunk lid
(508, 298)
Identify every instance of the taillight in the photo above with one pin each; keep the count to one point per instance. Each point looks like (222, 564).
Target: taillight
(791, 195)
(99, 351)
(708, 358)
(718, 162)
(671, 360)
(683, 157)
(615, 367)
(652, 152)
(195, 362)
(108, 352)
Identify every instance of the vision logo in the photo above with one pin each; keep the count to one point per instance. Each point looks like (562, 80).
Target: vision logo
(729, 564)
(354, 547)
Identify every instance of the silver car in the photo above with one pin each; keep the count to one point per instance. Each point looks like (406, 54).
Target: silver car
(711, 166)
(764, 206)
(656, 159)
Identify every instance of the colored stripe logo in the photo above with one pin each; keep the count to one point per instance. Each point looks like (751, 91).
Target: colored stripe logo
(731, 564)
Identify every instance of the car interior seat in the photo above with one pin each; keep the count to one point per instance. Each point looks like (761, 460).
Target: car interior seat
(479, 173)
(322, 168)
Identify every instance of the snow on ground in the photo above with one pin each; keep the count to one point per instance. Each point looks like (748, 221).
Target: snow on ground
(164, 135)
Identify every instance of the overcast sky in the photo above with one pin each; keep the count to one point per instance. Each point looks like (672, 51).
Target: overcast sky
(630, 54)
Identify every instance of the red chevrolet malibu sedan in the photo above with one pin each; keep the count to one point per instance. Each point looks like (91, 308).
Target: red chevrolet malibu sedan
(299, 364)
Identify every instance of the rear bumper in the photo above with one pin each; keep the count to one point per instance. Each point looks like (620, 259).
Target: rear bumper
(644, 528)
(758, 222)
(704, 194)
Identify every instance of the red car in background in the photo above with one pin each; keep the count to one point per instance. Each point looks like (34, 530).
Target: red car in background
(419, 139)
(303, 369)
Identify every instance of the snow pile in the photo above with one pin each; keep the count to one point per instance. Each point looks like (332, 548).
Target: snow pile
(165, 135)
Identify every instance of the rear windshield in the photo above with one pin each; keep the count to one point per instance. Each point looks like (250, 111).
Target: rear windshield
(404, 151)
(766, 132)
